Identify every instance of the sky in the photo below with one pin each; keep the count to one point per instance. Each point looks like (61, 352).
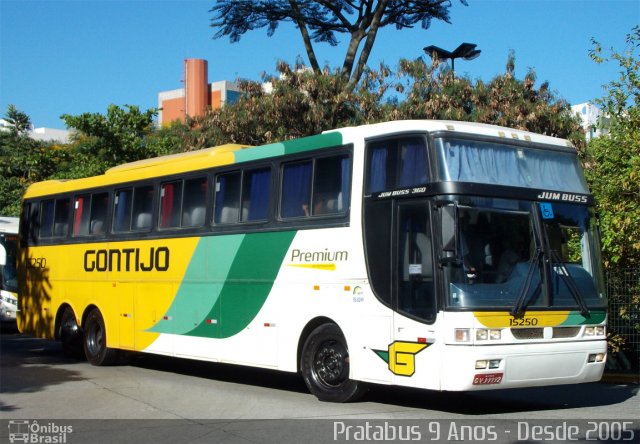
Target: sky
(71, 56)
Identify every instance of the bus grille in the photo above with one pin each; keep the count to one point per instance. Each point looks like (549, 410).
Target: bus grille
(527, 333)
(538, 333)
(565, 332)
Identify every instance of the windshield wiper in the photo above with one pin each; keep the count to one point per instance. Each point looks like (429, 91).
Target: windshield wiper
(536, 262)
(570, 282)
(520, 305)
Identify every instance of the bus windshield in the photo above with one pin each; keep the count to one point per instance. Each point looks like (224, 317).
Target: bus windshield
(462, 160)
(502, 257)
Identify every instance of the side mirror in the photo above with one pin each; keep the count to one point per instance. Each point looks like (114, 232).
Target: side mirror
(448, 233)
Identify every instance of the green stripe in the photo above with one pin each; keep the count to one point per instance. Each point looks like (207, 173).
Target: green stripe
(289, 147)
(202, 284)
(595, 317)
(228, 280)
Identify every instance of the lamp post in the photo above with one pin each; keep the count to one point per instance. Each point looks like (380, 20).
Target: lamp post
(465, 51)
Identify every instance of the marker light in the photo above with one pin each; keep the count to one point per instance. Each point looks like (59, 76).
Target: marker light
(589, 331)
(495, 334)
(462, 335)
(600, 330)
(481, 364)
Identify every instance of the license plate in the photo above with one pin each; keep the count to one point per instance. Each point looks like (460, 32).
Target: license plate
(487, 378)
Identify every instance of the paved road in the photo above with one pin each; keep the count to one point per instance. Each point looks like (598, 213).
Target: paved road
(38, 383)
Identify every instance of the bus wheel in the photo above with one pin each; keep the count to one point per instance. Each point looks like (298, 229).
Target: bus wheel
(70, 335)
(325, 366)
(95, 340)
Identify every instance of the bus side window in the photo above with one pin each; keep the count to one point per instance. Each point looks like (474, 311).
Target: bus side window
(47, 211)
(61, 220)
(255, 194)
(99, 205)
(170, 204)
(194, 205)
(331, 185)
(227, 198)
(81, 215)
(123, 205)
(396, 163)
(296, 189)
(142, 207)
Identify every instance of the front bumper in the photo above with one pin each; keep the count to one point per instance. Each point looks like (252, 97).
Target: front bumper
(521, 365)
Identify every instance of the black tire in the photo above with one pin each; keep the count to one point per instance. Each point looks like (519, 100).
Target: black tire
(70, 335)
(325, 366)
(95, 340)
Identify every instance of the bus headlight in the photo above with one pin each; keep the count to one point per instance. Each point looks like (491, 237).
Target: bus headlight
(598, 330)
(483, 334)
(462, 335)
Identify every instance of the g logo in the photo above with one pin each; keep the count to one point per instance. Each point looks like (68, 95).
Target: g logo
(401, 356)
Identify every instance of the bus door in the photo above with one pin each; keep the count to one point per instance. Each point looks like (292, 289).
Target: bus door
(414, 297)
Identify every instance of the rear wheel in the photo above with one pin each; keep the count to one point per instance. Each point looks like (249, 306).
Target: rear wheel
(325, 366)
(95, 340)
(70, 334)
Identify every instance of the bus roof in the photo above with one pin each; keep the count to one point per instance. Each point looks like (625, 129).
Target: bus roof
(478, 129)
(235, 153)
(8, 224)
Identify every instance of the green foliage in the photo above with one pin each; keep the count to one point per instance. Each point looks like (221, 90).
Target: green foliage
(23, 161)
(613, 161)
(114, 138)
(20, 121)
(433, 92)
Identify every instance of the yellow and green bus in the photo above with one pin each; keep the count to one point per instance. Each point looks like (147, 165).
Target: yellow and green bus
(432, 254)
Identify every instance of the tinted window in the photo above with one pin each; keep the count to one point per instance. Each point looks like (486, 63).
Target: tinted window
(396, 163)
(90, 214)
(227, 201)
(170, 204)
(256, 188)
(194, 206)
(312, 188)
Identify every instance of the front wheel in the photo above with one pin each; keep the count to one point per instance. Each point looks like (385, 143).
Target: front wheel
(95, 340)
(325, 366)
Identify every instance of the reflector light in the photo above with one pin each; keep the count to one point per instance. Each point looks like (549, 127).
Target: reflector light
(422, 340)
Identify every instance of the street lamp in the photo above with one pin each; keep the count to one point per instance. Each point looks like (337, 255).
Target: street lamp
(465, 51)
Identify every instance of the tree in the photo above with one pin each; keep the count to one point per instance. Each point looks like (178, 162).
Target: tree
(433, 93)
(321, 20)
(20, 122)
(114, 138)
(23, 161)
(613, 160)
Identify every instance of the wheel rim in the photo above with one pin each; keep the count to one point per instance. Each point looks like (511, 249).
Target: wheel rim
(95, 337)
(331, 363)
